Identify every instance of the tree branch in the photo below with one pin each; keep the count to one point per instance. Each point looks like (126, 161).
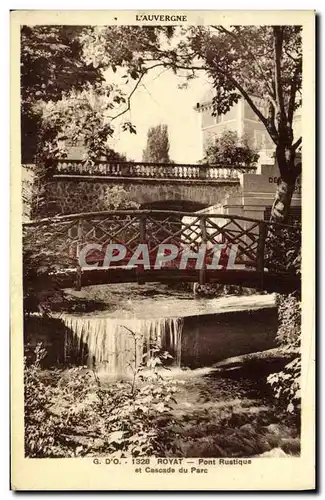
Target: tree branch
(278, 43)
(296, 145)
(128, 107)
(293, 91)
(251, 103)
(298, 169)
(222, 29)
(271, 118)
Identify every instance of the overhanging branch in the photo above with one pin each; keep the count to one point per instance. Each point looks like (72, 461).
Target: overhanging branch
(296, 145)
(222, 29)
(251, 103)
(128, 107)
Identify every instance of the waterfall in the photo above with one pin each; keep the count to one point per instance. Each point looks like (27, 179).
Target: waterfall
(116, 345)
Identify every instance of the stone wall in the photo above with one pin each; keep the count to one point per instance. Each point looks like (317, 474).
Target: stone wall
(73, 195)
(213, 337)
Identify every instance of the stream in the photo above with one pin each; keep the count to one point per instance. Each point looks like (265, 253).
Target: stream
(215, 414)
(115, 338)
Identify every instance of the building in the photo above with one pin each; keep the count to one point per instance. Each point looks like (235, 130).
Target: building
(255, 195)
(241, 119)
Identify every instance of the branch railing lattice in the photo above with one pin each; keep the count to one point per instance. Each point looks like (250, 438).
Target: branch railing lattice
(261, 246)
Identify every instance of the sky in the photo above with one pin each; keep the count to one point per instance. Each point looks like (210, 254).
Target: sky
(158, 100)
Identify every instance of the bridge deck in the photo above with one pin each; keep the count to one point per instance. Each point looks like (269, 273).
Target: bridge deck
(270, 282)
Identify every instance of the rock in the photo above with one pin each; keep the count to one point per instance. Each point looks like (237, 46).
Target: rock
(275, 453)
(291, 446)
(84, 441)
(256, 364)
(273, 440)
(264, 444)
(274, 429)
(247, 429)
(205, 447)
(279, 430)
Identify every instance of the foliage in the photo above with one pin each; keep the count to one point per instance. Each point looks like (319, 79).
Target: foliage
(157, 148)
(27, 190)
(41, 426)
(289, 314)
(41, 262)
(82, 116)
(51, 64)
(127, 47)
(116, 198)
(41, 288)
(230, 149)
(261, 64)
(283, 240)
(64, 97)
(286, 384)
(79, 415)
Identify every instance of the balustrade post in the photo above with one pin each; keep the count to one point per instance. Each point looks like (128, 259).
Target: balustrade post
(203, 171)
(261, 252)
(202, 272)
(142, 230)
(125, 169)
(79, 245)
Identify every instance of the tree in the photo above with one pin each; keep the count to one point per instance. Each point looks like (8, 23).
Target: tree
(229, 149)
(51, 65)
(157, 148)
(261, 64)
(81, 116)
(63, 98)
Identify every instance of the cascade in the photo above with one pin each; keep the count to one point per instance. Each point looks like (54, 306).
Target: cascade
(116, 345)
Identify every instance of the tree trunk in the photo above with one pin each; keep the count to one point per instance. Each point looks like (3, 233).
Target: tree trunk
(286, 185)
(282, 201)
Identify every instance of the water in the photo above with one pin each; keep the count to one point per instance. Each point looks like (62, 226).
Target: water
(173, 307)
(118, 346)
(117, 341)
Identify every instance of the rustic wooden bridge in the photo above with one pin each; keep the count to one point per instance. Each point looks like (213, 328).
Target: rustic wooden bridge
(267, 254)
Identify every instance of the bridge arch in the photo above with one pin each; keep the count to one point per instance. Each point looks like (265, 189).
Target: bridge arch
(81, 187)
(73, 194)
(174, 205)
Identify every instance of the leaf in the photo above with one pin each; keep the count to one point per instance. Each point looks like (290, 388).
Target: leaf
(115, 437)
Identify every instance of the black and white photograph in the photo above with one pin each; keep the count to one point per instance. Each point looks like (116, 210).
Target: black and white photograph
(162, 165)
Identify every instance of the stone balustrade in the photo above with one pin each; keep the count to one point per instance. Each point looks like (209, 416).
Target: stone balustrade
(151, 170)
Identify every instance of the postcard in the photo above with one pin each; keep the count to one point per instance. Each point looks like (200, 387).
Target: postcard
(162, 250)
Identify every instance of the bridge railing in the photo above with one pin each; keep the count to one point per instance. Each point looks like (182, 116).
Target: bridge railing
(151, 170)
(260, 246)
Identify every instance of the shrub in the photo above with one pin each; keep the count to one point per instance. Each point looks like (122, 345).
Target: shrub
(42, 427)
(286, 384)
(230, 149)
(289, 314)
(79, 415)
(283, 241)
